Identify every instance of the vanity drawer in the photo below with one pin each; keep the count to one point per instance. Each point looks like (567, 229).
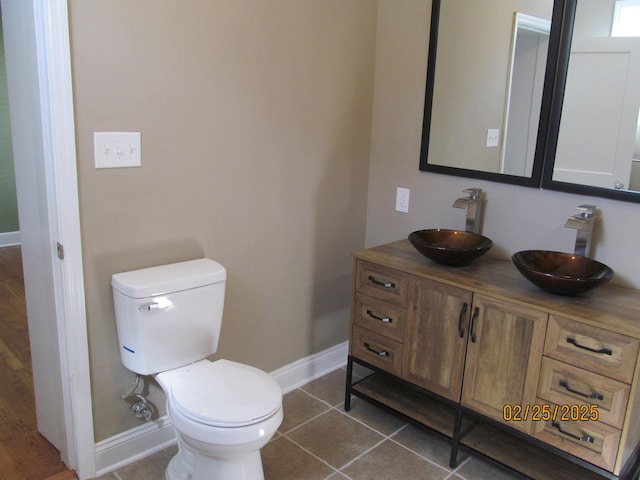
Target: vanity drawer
(379, 351)
(610, 354)
(381, 317)
(591, 440)
(382, 282)
(568, 385)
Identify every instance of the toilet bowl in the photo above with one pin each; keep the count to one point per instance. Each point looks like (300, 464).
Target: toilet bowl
(224, 412)
(168, 320)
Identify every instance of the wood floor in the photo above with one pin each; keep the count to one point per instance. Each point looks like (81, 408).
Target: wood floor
(24, 453)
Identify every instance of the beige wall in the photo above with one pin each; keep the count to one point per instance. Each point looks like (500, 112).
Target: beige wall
(516, 218)
(255, 120)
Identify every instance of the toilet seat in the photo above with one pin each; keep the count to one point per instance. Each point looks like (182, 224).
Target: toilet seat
(226, 394)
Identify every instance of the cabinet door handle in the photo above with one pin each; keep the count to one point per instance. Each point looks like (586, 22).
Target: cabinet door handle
(463, 313)
(382, 319)
(382, 353)
(564, 384)
(604, 351)
(583, 438)
(476, 312)
(373, 280)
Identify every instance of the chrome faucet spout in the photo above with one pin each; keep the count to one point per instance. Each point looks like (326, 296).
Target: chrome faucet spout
(583, 223)
(473, 204)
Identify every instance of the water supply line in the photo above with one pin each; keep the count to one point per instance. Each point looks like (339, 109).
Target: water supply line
(129, 392)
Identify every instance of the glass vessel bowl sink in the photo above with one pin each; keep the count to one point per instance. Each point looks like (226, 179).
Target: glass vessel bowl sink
(450, 247)
(561, 273)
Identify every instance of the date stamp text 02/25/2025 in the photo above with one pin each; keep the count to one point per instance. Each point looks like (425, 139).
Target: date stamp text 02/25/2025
(546, 412)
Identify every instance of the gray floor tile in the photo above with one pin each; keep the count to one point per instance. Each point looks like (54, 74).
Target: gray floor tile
(300, 407)
(337, 476)
(477, 469)
(390, 461)
(329, 388)
(150, 468)
(284, 460)
(334, 437)
(428, 444)
(376, 417)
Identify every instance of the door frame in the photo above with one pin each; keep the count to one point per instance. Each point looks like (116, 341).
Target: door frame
(48, 24)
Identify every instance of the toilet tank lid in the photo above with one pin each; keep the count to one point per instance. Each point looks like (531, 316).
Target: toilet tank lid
(164, 279)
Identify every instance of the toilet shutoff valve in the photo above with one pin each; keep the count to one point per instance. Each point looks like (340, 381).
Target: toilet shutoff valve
(141, 408)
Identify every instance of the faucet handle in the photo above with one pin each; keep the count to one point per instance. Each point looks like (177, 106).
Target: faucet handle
(587, 210)
(474, 192)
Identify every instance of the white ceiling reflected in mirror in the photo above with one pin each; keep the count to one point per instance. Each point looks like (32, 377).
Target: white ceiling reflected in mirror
(599, 135)
(488, 79)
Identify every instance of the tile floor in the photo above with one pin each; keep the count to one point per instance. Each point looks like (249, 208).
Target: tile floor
(319, 440)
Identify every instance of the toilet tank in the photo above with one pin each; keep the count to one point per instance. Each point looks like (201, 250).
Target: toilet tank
(168, 316)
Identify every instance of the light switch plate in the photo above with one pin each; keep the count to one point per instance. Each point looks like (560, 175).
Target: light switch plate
(493, 137)
(117, 149)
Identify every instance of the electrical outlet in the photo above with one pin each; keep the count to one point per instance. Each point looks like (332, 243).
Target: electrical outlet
(402, 200)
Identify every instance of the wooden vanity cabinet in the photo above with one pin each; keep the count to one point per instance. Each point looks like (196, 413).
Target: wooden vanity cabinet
(470, 349)
(436, 337)
(586, 367)
(379, 316)
(503, 358)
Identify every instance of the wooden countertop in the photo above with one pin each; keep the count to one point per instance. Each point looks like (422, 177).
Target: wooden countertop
(609, 306)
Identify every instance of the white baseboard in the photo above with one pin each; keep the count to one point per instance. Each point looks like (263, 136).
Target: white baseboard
(307, 369)
(9, 239)
(133, 445)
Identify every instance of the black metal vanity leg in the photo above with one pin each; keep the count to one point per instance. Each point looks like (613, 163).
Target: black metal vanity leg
(453, 460)
(347, 390)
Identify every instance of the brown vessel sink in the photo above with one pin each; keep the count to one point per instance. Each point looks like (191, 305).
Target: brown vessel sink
(450, 247)
(561, 273)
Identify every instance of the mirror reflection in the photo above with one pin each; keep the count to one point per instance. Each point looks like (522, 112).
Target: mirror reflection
(599, 136)
(487, 85)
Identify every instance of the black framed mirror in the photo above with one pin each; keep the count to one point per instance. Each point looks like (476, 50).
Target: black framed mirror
(593, 145)
(491, 74)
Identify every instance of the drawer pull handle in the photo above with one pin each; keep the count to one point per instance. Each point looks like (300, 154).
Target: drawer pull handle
(382, 319)
(463, 313)
(382, 353)
(372, 279)
(604, 351)
(583, 438)
(476, 312)
(596, 395)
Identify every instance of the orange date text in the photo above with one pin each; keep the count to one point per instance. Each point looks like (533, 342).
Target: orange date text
(548, 412)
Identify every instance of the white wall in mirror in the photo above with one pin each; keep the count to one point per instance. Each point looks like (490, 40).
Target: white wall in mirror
(626, 23)
(528, 56)
(600, 126)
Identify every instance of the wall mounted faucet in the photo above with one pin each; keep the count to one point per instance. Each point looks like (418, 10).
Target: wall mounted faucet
(473, 205)
(583, 223)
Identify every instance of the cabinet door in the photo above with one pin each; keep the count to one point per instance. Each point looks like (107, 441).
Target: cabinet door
(503, 358)
(436, 336)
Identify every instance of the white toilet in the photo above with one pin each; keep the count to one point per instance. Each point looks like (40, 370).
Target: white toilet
(168, 320)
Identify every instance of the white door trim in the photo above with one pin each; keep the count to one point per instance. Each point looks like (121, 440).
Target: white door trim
(58, 125)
